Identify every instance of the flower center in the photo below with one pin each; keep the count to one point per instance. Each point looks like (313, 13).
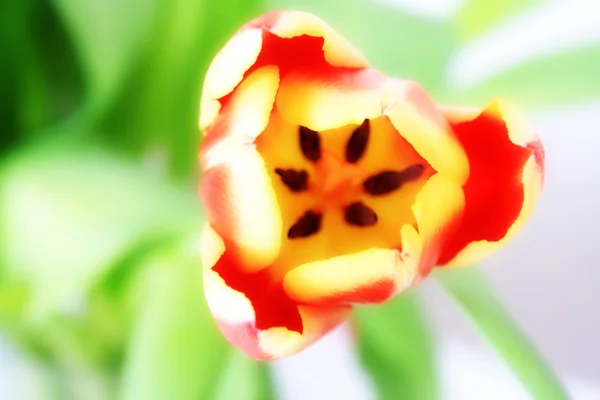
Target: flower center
(336, 181)
(341, 190)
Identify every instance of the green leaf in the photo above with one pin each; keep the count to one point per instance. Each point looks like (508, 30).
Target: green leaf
(13, 37)
(244, 378)
(175, 351)
(14, 300)
(113, 303)
(473, 293)
(393, 40)
(162, 113)
(67, 213)
(556, 79)
(478, 16)
(395, 346)
(51, 85)
(108, 36)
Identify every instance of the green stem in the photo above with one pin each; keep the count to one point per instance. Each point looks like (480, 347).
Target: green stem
(473, 293)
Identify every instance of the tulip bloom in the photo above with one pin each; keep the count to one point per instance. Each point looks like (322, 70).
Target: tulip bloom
(328, 184)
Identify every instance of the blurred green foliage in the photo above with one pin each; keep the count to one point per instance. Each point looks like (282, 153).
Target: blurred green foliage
(99, 268)
(395, 346)
(478, 16)
(470, 290)
(551, 80)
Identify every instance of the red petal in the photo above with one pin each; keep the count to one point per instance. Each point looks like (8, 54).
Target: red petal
(336, 50)
(506, 162)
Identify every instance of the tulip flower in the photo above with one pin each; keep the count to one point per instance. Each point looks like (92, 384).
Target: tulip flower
(327, 184)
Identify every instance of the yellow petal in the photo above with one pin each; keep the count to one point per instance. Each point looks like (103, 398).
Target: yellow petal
(227, 71)
(370, 276)
(328, 99)
(243, 119)
(419, 121)
(242, 207)
(438, 209)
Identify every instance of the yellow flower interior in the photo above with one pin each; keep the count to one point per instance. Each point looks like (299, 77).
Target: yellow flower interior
(327, 186)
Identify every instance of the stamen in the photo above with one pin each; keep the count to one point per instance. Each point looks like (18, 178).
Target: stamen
(307, 225)
(296, 181)
(359, 214)
(388, 181)
(310, 143)
(357, 144)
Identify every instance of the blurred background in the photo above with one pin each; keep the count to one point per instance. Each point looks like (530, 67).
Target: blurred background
(100, 288)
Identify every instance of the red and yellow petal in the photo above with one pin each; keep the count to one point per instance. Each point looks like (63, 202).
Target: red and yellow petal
(243, 119)
(338, 52)
(236, 188)
(279, 342)
(286, 39)
(232, 307)
(227, 70)
(507, 172)
(259, 319)
(370, 276)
